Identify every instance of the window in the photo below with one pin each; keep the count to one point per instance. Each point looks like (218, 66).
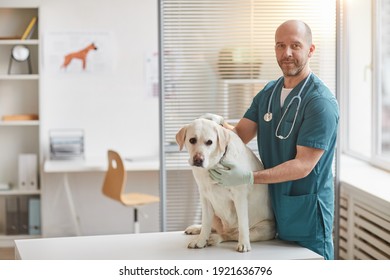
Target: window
(382, 93)
(357, 81)
(215, 56)
(367, 82)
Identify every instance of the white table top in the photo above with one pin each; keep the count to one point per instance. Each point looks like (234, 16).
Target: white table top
(151, 246)
(99, 164)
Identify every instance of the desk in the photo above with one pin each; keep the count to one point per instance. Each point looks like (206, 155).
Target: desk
(98, 164)
(92, 164)
(151, 246)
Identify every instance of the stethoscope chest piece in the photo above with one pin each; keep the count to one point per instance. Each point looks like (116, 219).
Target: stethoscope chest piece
(268, 116)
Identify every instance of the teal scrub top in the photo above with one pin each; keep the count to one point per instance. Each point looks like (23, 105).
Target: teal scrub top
(303, 208)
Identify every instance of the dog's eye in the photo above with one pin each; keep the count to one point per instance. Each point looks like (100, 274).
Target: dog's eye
(209, 142)
(193, 140)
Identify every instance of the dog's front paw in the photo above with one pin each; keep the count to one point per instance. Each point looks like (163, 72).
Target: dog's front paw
(197, 243)
(192, 230)
(243, 247)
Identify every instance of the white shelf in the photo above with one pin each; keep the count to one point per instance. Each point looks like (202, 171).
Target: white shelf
(19, 77)
(19, 42)
(19, 192)
(19, 123)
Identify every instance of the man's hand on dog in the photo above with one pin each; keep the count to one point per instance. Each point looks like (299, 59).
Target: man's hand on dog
(231, 175)
(213, 117)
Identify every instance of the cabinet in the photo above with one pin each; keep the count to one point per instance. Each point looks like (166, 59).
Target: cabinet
(19, 98)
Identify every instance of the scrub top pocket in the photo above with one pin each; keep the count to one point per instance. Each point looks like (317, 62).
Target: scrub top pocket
(297, 221)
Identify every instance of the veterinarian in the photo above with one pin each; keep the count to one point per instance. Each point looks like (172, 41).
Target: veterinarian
(295, 119)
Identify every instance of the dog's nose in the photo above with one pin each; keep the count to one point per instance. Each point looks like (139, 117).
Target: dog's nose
(198, 160)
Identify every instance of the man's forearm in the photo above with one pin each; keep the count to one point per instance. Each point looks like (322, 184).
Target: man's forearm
(287, 171)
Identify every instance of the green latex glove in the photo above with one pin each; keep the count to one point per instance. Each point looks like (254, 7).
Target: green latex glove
(231, 175)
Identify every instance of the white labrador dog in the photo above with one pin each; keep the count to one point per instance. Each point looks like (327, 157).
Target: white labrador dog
(238, 213)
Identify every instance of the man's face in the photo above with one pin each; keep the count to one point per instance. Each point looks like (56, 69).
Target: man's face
(292, 50)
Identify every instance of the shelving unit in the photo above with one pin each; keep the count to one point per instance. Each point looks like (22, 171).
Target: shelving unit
(19, 94)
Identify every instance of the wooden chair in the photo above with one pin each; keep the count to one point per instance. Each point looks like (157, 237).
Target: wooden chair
(115, 183)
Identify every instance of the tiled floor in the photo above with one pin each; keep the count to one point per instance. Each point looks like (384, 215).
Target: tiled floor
(7, 253)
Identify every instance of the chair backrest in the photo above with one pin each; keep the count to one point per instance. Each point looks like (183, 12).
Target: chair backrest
(115, 179)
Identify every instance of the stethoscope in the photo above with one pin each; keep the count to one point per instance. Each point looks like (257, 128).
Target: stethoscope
(268, 115)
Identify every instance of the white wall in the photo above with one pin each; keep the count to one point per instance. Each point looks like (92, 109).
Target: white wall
(113, 108)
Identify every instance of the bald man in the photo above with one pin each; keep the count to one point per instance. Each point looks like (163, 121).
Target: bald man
(295, 119)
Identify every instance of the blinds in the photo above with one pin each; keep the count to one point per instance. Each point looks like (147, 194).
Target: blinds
(215, 56)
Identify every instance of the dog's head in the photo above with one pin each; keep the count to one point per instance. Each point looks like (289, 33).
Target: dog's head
(93, 46)
(205, 141)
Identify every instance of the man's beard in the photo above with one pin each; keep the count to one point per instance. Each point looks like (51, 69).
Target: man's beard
(291, 71)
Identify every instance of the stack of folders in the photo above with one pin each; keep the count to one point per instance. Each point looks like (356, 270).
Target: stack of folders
(66, 144)
(23, 215)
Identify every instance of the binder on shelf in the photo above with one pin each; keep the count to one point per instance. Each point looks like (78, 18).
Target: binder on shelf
(30, 29)
(34, 217)
(23, 212)
(23, 215)
(12, 215)
(28, 172)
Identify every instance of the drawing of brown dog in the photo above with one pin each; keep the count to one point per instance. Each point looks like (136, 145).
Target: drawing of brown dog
(82, 54)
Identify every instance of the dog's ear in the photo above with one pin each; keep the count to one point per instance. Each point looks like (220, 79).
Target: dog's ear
(223, 138)
(181, 137)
